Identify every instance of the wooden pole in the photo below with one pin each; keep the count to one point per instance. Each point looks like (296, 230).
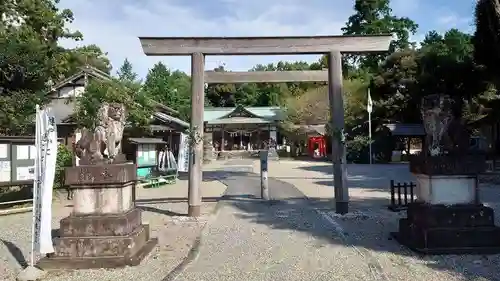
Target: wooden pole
(197, 107)
(335, 93)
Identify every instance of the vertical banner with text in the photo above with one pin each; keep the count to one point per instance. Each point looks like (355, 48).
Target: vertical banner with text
(183, 159)
(45, 169)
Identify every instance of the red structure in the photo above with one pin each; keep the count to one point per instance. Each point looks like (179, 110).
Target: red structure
(317, 146)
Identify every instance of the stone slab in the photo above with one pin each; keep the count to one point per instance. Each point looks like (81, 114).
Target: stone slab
(100, 225)
(95, 175)
(456, 229)
(428, 216)
(98, 262)
(102, 246)
(459, 246)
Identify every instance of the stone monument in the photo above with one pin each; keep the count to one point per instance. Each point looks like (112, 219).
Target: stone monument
(105, 229)
(447, 217)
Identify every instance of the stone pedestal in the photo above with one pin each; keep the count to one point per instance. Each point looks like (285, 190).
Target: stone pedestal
(446, 189)
(448, 217)
(105, 229)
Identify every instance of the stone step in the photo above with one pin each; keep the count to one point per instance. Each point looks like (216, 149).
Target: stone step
(429, 216)
(448, 240)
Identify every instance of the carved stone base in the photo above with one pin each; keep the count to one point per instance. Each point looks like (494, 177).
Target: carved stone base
(100, 241)
(440, 229)
(466, 164)
(100, 225)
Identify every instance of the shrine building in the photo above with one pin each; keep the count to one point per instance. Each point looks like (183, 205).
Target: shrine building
(242, 128)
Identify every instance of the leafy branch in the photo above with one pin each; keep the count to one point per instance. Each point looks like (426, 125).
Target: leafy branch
(194, 137)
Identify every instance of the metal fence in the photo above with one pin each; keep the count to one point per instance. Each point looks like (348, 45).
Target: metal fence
(401, 195)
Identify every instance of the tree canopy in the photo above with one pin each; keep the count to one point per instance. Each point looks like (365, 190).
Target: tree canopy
(455, 63)
(31, 59)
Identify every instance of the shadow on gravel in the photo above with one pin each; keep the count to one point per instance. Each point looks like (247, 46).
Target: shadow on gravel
(366, 228)
(16, 253)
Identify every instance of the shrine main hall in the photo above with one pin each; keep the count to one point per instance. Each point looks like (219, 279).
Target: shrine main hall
(242, 128)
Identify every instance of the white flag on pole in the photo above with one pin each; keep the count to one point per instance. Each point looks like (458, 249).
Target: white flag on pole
(45, 169)
(369, 106)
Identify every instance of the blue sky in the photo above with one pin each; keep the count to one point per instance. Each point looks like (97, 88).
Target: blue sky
(114, 25)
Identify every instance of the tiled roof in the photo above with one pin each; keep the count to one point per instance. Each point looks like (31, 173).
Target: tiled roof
(406, 129)
(170, 119)
(240, 120)
(266, 112)
(146, 140)
(89, 70)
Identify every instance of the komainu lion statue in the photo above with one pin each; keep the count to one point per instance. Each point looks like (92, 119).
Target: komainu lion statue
(103, 144)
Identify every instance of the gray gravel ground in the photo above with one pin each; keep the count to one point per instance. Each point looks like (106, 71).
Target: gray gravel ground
(289, 238)
(176, 236)
(298, 239)
(368, 230)
(252, 240)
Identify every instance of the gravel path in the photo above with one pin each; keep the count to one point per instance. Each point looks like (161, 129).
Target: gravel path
(176, 236)
(297, 239)
(163, 209)
(252, 240)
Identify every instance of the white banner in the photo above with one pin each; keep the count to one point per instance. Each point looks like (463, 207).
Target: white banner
(171, 163)
(45, 170)
(369, 105)
(183, 158)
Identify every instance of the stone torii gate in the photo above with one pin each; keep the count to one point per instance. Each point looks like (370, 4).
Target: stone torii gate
(199, 47)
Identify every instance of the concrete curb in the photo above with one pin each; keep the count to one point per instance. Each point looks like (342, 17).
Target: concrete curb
(13, 211)
(194, 252)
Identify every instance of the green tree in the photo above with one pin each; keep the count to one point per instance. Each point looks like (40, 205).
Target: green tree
(70, 61)
(126, 72)
(375, 17)
(259, 94)
(172, 89)
(443, 65)
(29, 33)
(222, 95)
(487, 37)
(136, 101)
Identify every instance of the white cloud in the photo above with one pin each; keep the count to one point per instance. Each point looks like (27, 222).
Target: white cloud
(114, 25)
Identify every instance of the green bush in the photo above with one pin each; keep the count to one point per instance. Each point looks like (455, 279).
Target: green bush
(358, 150)
(64, 159)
